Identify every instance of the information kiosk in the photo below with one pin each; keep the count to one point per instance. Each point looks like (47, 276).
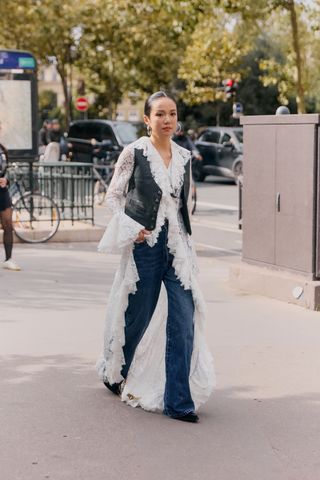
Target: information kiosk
(19, 105)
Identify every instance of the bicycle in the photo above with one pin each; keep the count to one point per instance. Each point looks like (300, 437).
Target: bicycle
(35, 216)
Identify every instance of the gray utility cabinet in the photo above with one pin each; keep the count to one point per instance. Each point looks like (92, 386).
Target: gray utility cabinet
(281, 205)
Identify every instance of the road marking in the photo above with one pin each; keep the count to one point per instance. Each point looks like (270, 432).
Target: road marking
(226, 227)
(220, 206)
(218, 249)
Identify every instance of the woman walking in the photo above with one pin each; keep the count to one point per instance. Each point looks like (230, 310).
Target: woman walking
(155, 355)
(6, 213)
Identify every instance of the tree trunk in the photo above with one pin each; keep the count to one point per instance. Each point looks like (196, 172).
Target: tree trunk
(64, 80)
(296, 46)
(110, 109)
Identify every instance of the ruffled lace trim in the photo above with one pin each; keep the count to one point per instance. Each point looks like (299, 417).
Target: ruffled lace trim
(109, 366)
(146, 379)
(145, 383)
(160, 173)
(121, 232)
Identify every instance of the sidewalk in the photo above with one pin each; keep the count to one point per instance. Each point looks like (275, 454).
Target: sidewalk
(78, 231)
(58, 422)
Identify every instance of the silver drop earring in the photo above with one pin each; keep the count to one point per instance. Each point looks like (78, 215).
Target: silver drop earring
(149, 130)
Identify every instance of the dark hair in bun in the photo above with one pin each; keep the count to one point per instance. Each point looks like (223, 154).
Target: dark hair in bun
(152, 98)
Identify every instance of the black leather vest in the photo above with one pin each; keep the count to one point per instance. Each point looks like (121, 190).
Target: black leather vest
(144, 194)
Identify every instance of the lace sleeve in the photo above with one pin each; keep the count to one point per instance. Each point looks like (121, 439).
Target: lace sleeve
(122, 230)
(117, 188)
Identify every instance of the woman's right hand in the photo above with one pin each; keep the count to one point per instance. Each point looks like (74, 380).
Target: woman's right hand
(142, 236)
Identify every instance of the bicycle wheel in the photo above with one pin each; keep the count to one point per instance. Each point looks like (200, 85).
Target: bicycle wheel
(99, 192)
(36, 218)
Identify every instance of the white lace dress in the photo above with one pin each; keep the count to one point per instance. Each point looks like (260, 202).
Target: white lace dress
(146, 378)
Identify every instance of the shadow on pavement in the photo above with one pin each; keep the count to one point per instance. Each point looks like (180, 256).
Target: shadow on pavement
(59, 422)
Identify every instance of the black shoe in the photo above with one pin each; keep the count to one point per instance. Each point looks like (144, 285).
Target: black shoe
(114, 388)
(189, 417)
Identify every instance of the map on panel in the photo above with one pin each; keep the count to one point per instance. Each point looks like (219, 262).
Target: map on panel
(15, 114)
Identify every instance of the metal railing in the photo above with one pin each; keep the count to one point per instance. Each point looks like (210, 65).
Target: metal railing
(69, 184)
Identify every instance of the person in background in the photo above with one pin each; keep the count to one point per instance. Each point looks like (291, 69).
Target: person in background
(52, 151)
(43, 136)
(185, 141)
(192, 134)
(6, 212)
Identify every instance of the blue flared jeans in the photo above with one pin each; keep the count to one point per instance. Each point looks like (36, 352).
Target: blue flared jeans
(154, 265)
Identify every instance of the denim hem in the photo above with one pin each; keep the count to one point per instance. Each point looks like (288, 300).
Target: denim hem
(182, 414)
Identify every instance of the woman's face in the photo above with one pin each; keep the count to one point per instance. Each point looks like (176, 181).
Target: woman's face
(163, 117)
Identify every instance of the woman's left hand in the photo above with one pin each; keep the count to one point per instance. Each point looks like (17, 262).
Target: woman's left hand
(142, 234)
(3, 182)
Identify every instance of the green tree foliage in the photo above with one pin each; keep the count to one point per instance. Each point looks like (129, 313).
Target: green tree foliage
(224, 35)
(47, 103)
(288, 27)
(221, 41)
(134, 46)
(48, 29)
(214, 54)
(48, 108)
(187, 46)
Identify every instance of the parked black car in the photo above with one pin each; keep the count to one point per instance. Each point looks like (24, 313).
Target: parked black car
(97, 139)
(222, 152)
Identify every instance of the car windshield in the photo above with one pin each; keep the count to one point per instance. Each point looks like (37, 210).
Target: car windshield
(127, 132)
(239, 135)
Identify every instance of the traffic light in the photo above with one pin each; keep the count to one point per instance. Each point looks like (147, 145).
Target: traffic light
(230, 87)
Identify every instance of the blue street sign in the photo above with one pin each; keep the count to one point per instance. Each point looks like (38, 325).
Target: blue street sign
(237, 107)
(15, 60)
(237, 110)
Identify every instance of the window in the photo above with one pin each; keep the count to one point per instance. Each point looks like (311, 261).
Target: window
(226, 138)
(127, 132)
(107, 133)
(86, 131)
(210, 136)
(76, 131)
(92, 130)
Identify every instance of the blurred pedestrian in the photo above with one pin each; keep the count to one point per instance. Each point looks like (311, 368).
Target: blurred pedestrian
(155, 354)
(192, 134)
(43, 134)
(43, 138)
(52, 151)
(185, 141)
(6, 212)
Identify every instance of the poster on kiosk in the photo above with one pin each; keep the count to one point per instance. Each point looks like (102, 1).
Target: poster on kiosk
(18, 105)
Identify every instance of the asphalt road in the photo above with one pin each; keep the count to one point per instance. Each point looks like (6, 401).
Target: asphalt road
(216, 218)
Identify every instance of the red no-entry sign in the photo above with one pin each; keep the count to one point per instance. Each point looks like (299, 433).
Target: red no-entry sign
(81, 104)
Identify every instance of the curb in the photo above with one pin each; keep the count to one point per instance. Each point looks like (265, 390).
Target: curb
(71, 234)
